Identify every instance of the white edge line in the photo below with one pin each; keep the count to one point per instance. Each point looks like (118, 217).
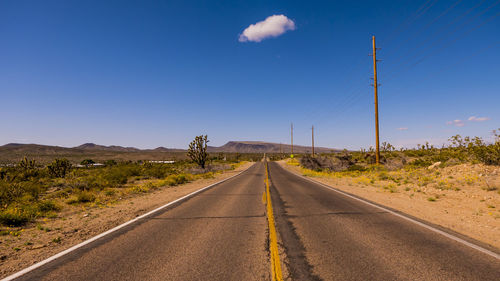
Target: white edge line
(56, 256)
(457, 239)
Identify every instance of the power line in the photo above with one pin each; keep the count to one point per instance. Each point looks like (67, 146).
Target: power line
(409, 20)
(441, 39)
(417, 14)
(432, 21)
(354, 95)
(457, 38)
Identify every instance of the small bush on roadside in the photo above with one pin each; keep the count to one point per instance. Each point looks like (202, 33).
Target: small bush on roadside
(115, 176)
(174, 180)
(18, 191)
(109, 192)
(356, 168)
(48, 206)
(421, 162)
(16, 216)
(23, 187)
(85, 197)
(153, 170)
(140, 189)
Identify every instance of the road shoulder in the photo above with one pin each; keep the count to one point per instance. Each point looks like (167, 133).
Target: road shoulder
(55, 235)
(449, 213)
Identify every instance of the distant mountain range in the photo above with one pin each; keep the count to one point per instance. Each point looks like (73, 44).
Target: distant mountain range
(232, 146)
(261, 147)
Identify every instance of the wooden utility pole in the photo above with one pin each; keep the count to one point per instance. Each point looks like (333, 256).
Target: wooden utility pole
(312, 136)
(375, 85)
(281, 150)
(291, 134)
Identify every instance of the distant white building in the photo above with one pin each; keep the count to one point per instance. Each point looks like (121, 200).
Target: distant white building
(89, 165)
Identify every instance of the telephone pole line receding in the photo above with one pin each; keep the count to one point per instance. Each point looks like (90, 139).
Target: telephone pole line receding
(375, 85)
(291, 134)
(312, 136)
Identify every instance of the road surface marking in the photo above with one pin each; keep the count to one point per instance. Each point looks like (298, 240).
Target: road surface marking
(56, 256)
(273, 240)
(448, 235)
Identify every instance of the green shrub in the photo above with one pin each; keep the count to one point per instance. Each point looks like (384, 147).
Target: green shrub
(59, 168)
(115, 176)
(181, 178)
(356, 168)
(85, 196)
(48, 206)
(110, 163)
(209, 175)
(383, 176)
(18, 191)
(140, 189)
(158, 171)
(15, 216)
(174, 180)
(477, 149)
(87, 162)
(420, 162)
(9, 192)
(25, 170)
(487, 154)
(109, 192)
(27, 164)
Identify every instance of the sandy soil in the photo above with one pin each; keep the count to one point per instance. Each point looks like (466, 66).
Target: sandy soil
(471, 207)
(20, 248)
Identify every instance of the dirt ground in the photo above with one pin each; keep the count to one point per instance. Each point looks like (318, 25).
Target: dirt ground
(463, 198)
(23, 247)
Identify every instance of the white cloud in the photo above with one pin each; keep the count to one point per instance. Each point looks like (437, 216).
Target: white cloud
(272, 26)
(461, 123)
(478, 119)
(402, 129)
(458, 123)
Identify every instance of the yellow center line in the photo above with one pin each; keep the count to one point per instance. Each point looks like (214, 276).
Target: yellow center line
(273, 240)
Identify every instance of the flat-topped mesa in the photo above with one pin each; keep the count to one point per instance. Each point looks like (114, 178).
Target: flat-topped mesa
(269, 147)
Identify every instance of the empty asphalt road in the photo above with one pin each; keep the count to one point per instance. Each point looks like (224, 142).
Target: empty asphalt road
(222, 234)
(329, 236)
(219, 234)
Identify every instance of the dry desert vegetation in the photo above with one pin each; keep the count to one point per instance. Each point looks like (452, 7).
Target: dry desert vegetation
(457, 187)
(48, 208)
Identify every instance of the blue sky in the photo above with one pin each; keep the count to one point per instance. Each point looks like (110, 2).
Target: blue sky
(157, 73)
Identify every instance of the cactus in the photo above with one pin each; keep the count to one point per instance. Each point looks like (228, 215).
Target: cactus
(27, 164)
(59, 168)
(198, 150)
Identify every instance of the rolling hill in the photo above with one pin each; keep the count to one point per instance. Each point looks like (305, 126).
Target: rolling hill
(13, 152)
